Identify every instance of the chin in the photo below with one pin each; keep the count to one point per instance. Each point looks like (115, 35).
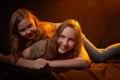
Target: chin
(31, 38)
(61, 51)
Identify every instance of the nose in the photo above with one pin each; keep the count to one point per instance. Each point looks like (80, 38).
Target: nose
(65, 42)
(28, 31)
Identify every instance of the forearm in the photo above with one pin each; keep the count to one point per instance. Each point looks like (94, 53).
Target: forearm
(24, 63)
(32, 64)
(3, 58)
(69, 63)
(82, 60)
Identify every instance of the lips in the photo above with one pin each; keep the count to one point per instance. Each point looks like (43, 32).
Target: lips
(30, 36)
(62, 47)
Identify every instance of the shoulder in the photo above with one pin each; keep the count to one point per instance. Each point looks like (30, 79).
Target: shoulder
(57, 24)
(40, 43)
(44, 23)
(83, 54)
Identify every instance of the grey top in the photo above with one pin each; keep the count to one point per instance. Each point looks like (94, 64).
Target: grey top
(38, 49)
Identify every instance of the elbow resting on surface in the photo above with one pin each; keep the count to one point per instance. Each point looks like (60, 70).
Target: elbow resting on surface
(84, 63)
(87, 63)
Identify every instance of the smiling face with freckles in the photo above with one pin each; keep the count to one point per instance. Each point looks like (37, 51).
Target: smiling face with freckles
(67, 40)
(26, 28)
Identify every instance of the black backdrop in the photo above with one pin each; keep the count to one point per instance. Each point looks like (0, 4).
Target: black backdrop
(99, 19)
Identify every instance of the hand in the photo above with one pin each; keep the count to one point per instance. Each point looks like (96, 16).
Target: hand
(2, 58)
(39, 63)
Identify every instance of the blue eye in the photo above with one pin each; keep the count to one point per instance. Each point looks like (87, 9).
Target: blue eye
(71, 40)
(21, 30)
(62, 36)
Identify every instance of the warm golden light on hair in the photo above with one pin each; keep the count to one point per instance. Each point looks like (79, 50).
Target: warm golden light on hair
(49, 30)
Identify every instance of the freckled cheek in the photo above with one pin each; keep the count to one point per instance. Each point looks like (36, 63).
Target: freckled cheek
(34, 28)
(22, 34)
(59, 41)
(72, 45)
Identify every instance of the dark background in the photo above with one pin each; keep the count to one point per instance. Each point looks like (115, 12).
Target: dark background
(99, 19)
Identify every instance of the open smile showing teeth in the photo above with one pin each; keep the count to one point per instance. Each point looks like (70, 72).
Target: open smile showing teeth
(30, 36)
(63, 47)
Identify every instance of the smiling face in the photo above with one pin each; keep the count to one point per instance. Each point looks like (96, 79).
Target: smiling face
(67, 40)
(27, 28)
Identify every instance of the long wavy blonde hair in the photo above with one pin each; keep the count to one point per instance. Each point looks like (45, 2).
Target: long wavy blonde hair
(17, 42)
(52, 46)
